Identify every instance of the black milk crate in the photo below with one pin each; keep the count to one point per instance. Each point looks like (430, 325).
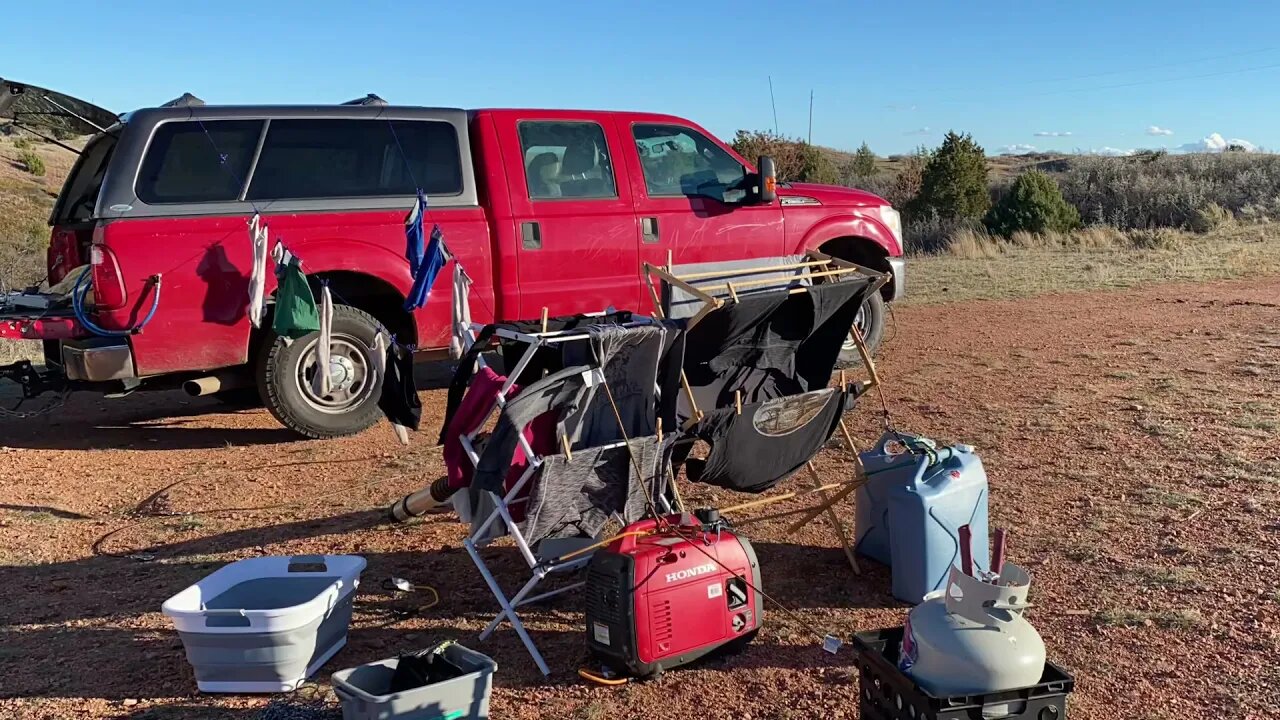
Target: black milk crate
(888, 694)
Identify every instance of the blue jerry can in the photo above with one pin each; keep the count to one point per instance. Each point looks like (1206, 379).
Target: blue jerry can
(910, 511)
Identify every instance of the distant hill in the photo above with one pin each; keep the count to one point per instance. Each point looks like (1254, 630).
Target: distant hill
(25, 202)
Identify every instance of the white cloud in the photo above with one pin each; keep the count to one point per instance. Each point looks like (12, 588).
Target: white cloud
(1157, 130)
(1054, 133)
(1216, 143)
(1108, 151)
(1017, 149)
(919, 131)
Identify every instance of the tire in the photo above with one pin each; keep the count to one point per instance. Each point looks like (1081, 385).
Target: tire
(871, 320)
(285, 371)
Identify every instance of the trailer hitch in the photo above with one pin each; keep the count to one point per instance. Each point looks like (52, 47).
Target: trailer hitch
(33, 381)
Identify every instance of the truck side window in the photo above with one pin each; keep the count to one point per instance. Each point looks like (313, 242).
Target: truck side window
(184, 161)
(680, 161)
(566, 160)
(332, 158)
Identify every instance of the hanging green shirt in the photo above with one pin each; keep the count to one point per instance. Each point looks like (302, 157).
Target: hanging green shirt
(296, 312)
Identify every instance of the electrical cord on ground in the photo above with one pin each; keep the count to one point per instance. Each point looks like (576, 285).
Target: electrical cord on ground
(153, 516)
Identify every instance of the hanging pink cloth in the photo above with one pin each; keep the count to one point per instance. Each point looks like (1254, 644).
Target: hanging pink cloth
(472, 411)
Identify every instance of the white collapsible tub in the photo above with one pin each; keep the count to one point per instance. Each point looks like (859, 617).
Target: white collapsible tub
(266, 624)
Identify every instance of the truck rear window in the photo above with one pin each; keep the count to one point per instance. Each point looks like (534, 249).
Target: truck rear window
(356, 158)
(198, 161)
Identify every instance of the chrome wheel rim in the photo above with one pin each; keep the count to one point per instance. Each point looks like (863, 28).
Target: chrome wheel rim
(350, 379)
(860, 322)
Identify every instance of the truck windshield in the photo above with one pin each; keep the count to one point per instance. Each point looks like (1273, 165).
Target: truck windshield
(79, 196)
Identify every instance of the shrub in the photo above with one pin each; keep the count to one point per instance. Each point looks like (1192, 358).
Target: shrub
(928, 232)
(815, 166)
(1170, 190)
(954, 182)
(864, 162)
(1211, 217)
(22, 143)
(906, 185)
(1034, 204)
(33, 162)
(795, 160)
(973, 244)
(1155, 239)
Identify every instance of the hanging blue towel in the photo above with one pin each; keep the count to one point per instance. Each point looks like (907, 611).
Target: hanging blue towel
(424, 263)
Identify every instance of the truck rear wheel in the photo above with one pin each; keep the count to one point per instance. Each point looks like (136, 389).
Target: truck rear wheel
(870, 321)
(287, 369)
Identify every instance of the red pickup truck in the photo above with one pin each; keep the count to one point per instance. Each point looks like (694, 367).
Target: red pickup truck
(544, 208)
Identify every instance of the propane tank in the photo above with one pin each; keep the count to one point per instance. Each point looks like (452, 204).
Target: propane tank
(971, 637)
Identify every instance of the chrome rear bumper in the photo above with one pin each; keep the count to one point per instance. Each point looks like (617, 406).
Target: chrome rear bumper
(97, 359)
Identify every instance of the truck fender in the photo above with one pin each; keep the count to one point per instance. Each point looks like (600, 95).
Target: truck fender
(850, 226)
(354, 256)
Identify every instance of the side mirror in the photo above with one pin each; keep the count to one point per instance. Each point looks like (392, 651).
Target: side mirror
(767, 190)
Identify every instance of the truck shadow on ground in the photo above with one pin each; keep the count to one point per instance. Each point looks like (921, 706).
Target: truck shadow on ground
(66, 622)
(168, 420)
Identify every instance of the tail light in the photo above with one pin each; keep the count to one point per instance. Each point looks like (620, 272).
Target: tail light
(63, 254)
(108, 284)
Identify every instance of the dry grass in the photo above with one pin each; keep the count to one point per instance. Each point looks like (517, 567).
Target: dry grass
(979, 266)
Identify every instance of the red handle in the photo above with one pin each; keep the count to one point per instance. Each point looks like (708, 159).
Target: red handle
(997, 554)
(966, 550)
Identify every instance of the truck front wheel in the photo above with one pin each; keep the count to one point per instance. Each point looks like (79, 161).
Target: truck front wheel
(870, 322)
(287, 370)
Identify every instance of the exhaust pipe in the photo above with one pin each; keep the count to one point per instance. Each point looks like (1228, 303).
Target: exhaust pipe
(421, 502)
(211, 384)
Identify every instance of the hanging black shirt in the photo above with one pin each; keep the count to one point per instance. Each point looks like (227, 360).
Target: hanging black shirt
(769, 441)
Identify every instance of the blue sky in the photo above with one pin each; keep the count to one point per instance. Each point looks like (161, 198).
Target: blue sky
(1112, 74)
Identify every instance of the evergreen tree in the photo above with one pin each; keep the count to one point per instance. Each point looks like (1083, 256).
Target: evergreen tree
(864, 162)
(1034, 204)
(954, 182)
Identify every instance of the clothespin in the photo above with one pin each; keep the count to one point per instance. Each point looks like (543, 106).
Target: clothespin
(544, 318)
(669, 262)
(737, 400)
(659, 431)
(732, 293)
(564, 441)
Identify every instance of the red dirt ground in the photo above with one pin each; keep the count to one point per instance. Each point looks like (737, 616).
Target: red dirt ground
(1130, 438)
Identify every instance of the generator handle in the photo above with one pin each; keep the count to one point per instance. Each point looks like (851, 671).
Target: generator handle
(636, 530)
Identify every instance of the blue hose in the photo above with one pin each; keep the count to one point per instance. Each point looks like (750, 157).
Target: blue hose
(77, 306)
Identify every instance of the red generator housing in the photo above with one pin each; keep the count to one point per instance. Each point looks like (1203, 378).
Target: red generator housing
(665, 599)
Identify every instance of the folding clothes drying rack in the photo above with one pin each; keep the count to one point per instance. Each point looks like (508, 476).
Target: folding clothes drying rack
(552, 555)
(710, 289)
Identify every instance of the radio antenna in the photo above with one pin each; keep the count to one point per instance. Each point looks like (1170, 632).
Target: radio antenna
(810, 141)
(774, 103)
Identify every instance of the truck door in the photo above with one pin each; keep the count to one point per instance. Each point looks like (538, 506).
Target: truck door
(575, 224)
(688, 198)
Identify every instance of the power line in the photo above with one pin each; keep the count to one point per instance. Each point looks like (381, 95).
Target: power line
(1136, 83)
(1163, 80)
(1152, 67)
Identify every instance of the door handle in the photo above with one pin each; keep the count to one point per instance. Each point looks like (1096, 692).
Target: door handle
(531, 236)
(649, 229)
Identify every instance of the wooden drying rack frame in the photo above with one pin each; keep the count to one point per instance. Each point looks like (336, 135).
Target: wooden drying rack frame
(812, 265)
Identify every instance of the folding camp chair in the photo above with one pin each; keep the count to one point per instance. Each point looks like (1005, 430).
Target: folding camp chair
(507, 512)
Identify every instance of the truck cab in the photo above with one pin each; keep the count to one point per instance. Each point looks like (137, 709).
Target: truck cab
(554, 209)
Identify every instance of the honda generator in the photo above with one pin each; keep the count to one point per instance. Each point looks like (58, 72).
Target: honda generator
(670, 593)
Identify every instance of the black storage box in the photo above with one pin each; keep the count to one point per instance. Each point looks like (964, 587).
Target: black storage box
(888, 694)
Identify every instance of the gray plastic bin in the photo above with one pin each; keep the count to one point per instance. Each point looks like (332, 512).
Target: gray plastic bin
(266, 624)
(364, 696)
